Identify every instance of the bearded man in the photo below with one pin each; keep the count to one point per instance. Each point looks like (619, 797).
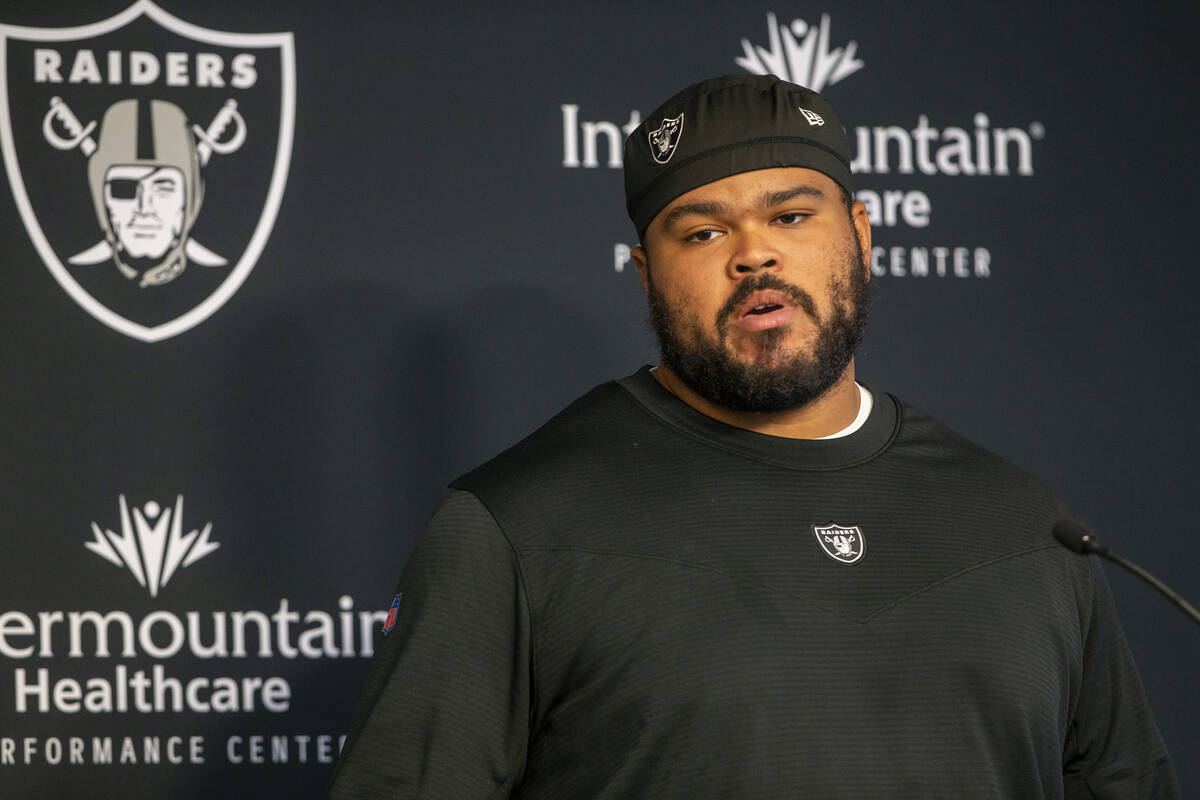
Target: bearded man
(743, 574)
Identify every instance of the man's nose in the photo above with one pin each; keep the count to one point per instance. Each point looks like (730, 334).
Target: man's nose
(753, 253)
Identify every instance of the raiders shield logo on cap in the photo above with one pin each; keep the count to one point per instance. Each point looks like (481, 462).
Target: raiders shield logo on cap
(664, 140)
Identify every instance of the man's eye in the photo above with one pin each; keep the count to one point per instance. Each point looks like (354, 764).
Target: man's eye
(706, 235)
(792, 218)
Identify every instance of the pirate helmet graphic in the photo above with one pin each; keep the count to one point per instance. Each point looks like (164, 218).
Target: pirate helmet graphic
(146, 187)
(116, 221)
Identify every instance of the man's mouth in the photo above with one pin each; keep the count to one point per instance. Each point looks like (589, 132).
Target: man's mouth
(764, 309)
(767, 308)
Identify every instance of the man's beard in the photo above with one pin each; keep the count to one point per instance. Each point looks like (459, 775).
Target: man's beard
(777, 378)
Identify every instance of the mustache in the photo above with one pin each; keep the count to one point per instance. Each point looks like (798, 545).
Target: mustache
(765, 281)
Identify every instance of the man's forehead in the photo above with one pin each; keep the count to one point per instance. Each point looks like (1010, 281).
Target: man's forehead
(757, 187)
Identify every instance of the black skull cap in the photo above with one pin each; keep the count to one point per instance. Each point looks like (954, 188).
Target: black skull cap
(725, 126)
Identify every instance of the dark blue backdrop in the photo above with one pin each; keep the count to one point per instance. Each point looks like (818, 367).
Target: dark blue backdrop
(436, 283)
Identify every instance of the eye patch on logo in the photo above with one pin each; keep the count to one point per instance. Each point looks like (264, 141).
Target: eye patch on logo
(122, 189)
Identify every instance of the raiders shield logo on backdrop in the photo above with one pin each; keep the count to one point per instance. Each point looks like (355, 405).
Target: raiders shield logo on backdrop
(664, 140)
(147, 157)
(839, 542)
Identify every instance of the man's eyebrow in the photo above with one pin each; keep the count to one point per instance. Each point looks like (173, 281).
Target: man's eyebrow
(770, 199)
(704, 209)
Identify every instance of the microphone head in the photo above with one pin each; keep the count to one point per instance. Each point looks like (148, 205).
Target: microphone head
(1074, 535)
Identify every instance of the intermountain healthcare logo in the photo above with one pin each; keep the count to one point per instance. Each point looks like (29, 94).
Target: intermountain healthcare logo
(800, 53)
(152, 544)
(122, 686)
(161, 112)
(891, 161)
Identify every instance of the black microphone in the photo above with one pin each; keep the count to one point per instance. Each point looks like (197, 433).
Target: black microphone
(1074, 535)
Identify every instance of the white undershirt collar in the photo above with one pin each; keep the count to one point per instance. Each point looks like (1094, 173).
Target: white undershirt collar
(865, 401)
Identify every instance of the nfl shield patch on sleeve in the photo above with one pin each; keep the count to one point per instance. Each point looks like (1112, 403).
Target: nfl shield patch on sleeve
(390, 622)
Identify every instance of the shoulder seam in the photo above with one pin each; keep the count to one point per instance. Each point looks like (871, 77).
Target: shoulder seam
(959, 573)
(532, 628)
(807, 601)
(688, 564)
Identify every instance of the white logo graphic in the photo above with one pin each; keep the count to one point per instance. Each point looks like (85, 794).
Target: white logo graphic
(152, 544)
(149, 209)
(813, 117)
(664, 140)
(118, 226)
(800, 53)
(841, 543)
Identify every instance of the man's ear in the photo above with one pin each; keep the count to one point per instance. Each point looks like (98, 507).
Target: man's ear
(638, 254)
(862, 229)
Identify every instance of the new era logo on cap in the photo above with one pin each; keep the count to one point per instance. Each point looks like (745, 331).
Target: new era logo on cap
(813, 117)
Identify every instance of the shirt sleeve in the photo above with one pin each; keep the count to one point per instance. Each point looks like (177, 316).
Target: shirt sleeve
(1113, 749)
(444, 711)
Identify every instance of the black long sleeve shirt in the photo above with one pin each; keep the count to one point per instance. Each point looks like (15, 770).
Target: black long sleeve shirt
(638, 601)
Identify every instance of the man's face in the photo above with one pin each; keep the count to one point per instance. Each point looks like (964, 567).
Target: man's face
(757, 286)
(146, 207)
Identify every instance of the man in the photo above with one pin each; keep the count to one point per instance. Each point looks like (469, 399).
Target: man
(742, 574)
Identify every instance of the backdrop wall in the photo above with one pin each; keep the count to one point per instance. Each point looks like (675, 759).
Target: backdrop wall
(403, 247)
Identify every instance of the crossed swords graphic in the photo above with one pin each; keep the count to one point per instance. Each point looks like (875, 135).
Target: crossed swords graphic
(210, 141)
